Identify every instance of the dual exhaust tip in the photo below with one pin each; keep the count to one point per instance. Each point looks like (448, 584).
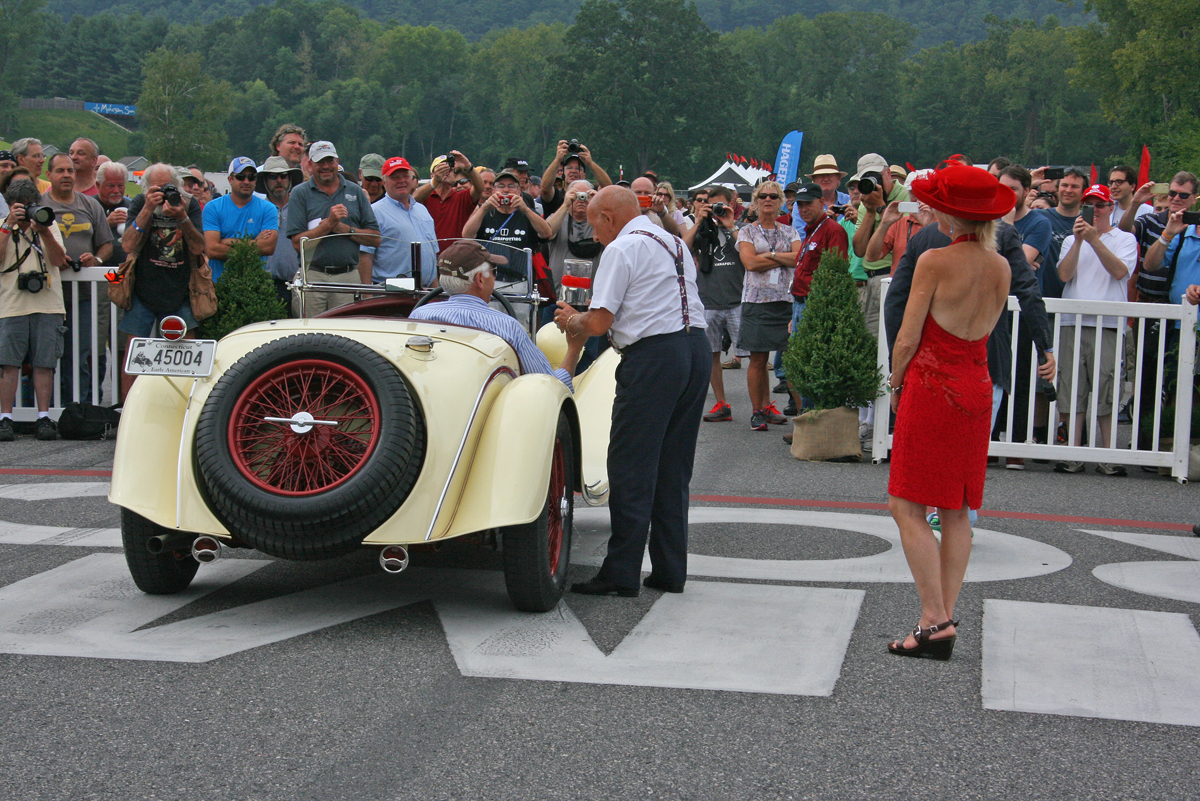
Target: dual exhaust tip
(206, 550)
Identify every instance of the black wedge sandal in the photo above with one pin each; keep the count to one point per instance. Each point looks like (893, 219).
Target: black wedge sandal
(925, 647)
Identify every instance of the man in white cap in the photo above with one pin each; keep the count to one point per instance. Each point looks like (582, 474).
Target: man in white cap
(338, 214)
(239, 214)
(826, 175)
(878, 187)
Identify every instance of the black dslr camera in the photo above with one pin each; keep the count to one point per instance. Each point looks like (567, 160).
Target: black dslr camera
(450, 161)
(573, 146)
(42, 215)
(719, 210)
(31, 282)
(868, 182)
(171, 195)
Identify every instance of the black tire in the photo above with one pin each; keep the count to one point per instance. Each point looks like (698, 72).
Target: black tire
(316, 494)
(534, 574)
(163, 573)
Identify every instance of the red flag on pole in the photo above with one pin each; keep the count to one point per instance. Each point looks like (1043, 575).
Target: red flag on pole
(728, 157)
(1144, 167)
(1095, 175)
(771, 168)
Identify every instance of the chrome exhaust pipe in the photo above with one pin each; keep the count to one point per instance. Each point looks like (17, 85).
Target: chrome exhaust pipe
(206, 550)
(393, 558)
(171, 541)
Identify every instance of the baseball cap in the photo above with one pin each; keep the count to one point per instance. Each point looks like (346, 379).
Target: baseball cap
(370, 165)
(240, 164)
(322, 150)
(792, 187)
(808, 192)
(6, 155)
(515, 164)
(508, 173)
(463, 256)
(872, 162)
(1098, 192)
(396, 163)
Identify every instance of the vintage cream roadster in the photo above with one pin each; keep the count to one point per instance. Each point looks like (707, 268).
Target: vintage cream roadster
(311, 438)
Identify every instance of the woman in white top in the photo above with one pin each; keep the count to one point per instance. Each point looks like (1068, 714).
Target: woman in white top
(768, 251)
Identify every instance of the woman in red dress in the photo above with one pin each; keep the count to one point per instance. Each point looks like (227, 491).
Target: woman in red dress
(942, 394)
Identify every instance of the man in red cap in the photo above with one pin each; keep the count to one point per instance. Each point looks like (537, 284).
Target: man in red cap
(1096, 262)
(402, 220)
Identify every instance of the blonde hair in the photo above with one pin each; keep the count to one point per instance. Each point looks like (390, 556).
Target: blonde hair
(765, 185)
(986, 231)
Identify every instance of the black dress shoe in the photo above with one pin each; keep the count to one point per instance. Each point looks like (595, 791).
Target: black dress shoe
(599, 586)
(655, 583)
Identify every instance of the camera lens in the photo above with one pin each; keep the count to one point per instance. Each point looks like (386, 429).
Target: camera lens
(866, 186)
(42, 215)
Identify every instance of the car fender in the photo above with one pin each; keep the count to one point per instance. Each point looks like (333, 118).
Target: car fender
(509, 471)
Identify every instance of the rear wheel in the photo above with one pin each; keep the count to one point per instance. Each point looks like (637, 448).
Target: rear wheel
(155, 573)
(536, 554)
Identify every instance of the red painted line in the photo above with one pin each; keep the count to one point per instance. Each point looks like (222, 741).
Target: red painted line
(15, 471)
(1089, 521)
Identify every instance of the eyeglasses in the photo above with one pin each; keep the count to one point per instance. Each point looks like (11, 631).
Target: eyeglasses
(1180, 195)
(768, 196)
(371, 178)
(243, 176)
(278, 176)
(1099, 204)
(1112, 181)
(661, 194)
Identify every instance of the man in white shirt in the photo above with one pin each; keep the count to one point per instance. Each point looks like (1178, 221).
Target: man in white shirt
(1095, 264)
(645, 294)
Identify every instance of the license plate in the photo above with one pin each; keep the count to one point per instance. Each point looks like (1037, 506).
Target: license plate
(182, 357)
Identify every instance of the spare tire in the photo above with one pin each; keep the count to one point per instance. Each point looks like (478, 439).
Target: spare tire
(307, 444)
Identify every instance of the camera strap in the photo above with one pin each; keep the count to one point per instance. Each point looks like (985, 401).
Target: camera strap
(678, 256)
(33, 245)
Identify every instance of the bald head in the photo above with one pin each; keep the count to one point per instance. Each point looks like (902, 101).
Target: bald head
(611, 210)
(642, 186)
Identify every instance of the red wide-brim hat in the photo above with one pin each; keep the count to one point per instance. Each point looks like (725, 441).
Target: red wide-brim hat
(965, 192)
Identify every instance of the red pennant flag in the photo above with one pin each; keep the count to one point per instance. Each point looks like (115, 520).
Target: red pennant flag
(911, 168)
(728, 157)
(1144, 167)
(1095, 175)
(771, 168)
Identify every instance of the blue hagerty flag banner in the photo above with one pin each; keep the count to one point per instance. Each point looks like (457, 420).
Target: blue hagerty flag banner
(787, 161)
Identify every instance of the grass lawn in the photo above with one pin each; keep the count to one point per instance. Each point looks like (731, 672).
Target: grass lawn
(60, 128)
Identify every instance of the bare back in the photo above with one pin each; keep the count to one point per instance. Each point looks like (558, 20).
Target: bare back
(967, 286)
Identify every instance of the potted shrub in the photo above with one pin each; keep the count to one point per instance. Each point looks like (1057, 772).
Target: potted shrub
(245, 293)
(831, 362)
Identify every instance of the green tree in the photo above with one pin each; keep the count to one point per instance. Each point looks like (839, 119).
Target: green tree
(831, 357)
(183, 110)
(22, 23)
(245, 293)
(640, 74)
(1143, 60)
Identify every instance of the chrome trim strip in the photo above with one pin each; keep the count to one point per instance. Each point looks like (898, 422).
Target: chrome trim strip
(183, 449)
(463, 444)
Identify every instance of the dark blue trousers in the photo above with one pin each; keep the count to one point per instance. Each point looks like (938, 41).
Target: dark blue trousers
(662, 383)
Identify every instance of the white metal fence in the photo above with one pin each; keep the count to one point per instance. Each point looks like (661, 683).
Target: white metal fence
(81, 382)
(1136, 320)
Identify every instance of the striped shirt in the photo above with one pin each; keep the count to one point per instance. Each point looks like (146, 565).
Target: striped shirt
(468, 310)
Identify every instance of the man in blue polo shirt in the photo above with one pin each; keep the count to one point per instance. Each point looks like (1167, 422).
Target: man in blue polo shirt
(239, 214)
(402, 221)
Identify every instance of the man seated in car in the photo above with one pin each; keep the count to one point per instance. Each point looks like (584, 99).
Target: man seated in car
(466, 273)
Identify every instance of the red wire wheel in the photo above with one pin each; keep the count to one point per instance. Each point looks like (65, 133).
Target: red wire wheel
(298, 460)
(536, 554)
(554, 507)
(341, 455)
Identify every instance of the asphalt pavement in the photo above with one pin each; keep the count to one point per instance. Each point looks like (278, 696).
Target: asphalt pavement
(1076, 674)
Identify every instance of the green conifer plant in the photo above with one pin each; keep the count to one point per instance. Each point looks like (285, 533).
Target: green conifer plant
(831, 357)
(245, 293)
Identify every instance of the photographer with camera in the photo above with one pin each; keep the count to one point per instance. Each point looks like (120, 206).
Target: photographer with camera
(574, 160)
(87, 239)
(448, 205)
(166, 234)
(31, 304)
(719, 279)
(506, 217)
(877, 188)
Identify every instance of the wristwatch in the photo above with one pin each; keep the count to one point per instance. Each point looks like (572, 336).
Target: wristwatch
(351, 231)
(772, 254)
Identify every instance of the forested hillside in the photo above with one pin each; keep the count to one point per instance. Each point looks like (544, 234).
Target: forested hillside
(935, 21)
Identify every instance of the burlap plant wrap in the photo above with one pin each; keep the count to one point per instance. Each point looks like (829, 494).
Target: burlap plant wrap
(825, 435)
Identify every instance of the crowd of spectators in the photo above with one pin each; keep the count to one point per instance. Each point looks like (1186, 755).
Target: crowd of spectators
(756, 247)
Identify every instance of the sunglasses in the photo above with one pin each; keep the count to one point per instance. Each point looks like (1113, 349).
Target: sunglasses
(278, 176)
(241, 176)
(1099, 204)
(1180, 195)
(768, 196)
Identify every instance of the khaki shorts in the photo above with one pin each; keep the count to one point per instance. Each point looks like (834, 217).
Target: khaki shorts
(1087, 364)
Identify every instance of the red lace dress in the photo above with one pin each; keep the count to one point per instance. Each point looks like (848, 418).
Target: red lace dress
(940, 443)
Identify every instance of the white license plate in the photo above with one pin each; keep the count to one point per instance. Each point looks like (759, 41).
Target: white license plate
(182, 357)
